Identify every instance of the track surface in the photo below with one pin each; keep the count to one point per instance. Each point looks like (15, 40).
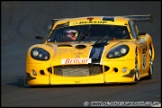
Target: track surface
(22, 20)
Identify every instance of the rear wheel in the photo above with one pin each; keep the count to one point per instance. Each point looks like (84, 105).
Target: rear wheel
(150, 65)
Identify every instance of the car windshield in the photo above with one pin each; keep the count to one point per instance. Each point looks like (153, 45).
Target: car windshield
(88, 33)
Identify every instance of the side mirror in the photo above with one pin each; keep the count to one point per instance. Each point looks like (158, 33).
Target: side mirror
(39, 37)
(142, 33)
(49, 27)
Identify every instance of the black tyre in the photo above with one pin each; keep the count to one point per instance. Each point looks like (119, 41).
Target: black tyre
(150, 66)
(136, 71)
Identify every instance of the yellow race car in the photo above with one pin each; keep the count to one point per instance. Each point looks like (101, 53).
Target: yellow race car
(91, 50)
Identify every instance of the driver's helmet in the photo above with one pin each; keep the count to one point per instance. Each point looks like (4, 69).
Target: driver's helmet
(71, 34)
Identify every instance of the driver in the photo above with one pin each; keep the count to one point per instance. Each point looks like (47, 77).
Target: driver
(71, 34)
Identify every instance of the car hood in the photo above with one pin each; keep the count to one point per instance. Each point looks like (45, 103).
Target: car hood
(79, 51)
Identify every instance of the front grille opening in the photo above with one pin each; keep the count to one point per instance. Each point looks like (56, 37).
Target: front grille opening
(80, 46)
(106, 68)
(95, 69)
(58, 71)
(49, 70)
(78, 70)
(42, 72)
(116, 69)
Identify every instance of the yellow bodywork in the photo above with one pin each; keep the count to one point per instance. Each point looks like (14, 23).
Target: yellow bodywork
(65, 54)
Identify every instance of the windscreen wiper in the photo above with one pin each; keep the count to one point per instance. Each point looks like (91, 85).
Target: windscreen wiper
(85, 34)
(103, 41)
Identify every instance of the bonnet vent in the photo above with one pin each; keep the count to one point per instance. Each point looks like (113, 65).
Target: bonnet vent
(80, 46)
(64, 45)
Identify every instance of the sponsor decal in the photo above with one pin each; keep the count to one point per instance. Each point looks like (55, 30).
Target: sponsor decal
(108, 18)
(76, 61)
(77, 81)
(75, 23)
(95, 22)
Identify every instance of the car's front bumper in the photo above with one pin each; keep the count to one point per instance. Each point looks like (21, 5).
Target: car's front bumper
(112, 71)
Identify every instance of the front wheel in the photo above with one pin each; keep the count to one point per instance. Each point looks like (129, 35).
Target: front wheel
(26, 83)
(136, 71)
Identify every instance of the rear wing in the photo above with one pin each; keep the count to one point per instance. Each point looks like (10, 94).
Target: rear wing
(55, 20)
(139, 17)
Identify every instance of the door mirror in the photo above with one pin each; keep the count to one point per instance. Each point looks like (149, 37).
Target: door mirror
(49, 27)
(39, 37)
(141, 33)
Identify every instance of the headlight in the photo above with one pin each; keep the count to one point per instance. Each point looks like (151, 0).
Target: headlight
(118, 51)
(40, 54)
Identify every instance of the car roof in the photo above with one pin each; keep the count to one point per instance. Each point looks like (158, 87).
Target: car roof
(109, 20)
(95, 17)
(117, 20)
(101, 18)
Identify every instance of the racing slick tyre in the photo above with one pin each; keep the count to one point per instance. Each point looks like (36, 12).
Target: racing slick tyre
(150, 66)
(136, 71)
(136, 74)
(26, 83)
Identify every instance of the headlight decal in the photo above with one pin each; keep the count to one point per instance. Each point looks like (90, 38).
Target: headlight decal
(96, 54)
(118, 51)
(40, 54)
